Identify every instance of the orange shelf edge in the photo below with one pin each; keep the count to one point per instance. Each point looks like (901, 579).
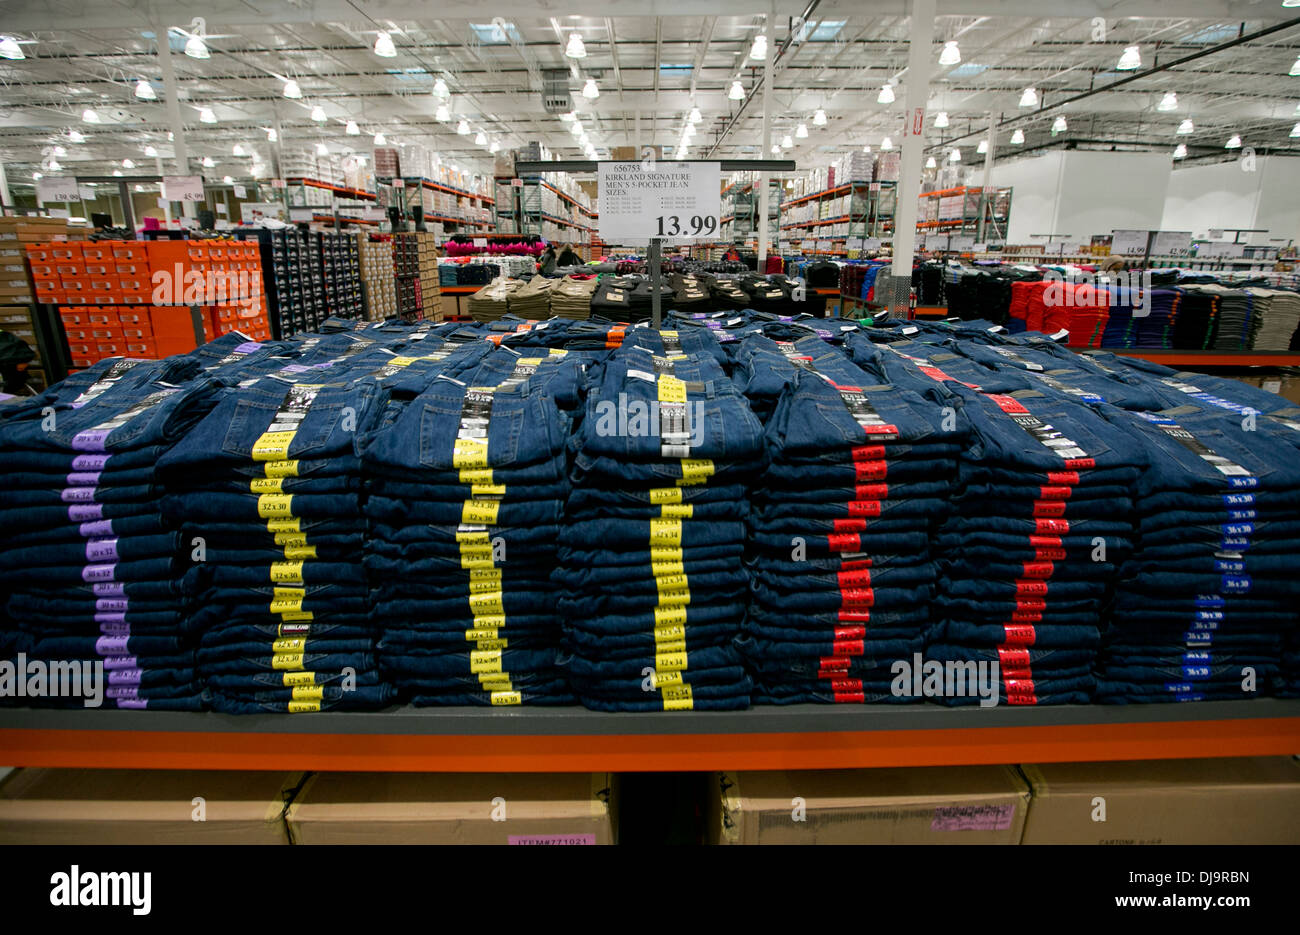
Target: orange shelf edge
(649, 752)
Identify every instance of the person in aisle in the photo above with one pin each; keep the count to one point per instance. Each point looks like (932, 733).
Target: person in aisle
(732, 255)
(546, 263)
(568, 257)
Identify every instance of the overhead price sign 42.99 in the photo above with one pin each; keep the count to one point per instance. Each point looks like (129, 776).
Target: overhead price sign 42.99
(672, 201)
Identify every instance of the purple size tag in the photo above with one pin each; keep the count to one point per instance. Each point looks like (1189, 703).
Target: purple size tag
(90, 440)
(248, 347)
(78, 494)
(110, 605)
(117, 619)
(90, 462)
(111, 645)
(98, 572)
(294, 368)
(139, 703)
(115, 629)
(109, 589)
(81, 512)
(83, 479)
(120, 662)
(102, 550)
(97, 530)
(122, 691)
(124, 677)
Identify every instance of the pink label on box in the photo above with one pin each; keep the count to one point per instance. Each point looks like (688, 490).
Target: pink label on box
(973, 817)
(552, 839)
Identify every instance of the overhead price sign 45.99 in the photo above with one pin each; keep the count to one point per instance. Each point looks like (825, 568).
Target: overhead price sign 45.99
(672, 201)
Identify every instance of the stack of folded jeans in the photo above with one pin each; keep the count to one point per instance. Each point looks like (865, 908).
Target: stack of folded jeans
(98, 578)
(493, 300)
(1209, 595)
(839, 551)
(654, 531)
(1040, 521)
(1279, 313)
(532, 300)
(267, 491)
(466, 488)
(571, 297)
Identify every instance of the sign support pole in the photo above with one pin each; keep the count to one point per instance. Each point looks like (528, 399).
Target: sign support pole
(654, 257)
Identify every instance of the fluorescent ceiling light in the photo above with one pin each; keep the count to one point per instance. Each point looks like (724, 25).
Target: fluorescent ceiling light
(195, 47)
(1059, 125)
(60, 151)
(951, 54)
(208, 162)
(144, 91)
(10, 49)
(292, 91)
(886, 144)
(983, 147)
(776, 150)
(318, 114)
(227, 179)
(1018, 137)
(866, 148)
(440, 89)
(353, 129)
(322, 149)
(1130, 60)
(151, 152)
(930, 163)
(75, 135)
(495, 147)
(955, 156)
(1168, 102)
(589, 90)
(1029, 98)
(463, 128)
(128, 164)
(206, 115)
(801, 131)
(37, 176)
(443, 114)
(941, 119)
(271, 135)
(380, 139)
(759, 49)
(736, 92)
(480, 138)
(1295, 131)
(1186, 127)
(786, 142)
(819, 118)
(238, 150)
(1234, 142)
(695, 116)
(117, 173)
(575, 47)
(886, 95)
(89, 115)
(384, 47)
(1295, 68)
(1180, 151)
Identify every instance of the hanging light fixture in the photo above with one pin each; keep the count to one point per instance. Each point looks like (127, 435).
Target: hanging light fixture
(930, 163)
(1131, 60)
(322, 149)
(1234, 142)
(776, 150)
(1295, 132)
(688, 131)
(1059, 125)
(384, 47)
(380, 139)
(440, 89)
(695, 116)
(941, 119)
(955, 156)
(819, 118)
(1186, 127)
(144, 91)
(786, 142)
(983, 147)
(1029, 98)
(886, 95)
(759, 49)
(1295, 68)
(495, 147)
(10, 49)
(575, 47)
(195, 47)
(801, 131)
(60, 151)
(117, 173)
(75, 135)
(291, 90)
(1018, 137)
(480, 138)
(866, 147)
(318, 114)
(271, 135)
(238, 150)
(462, 128)
(89, 115)
(736, 93)
(886, 144)
(352, 129)
(128, 164)
(443, 114)
(1180, 151)
(37, 176)
(589, 90)
(151, 152)
(951, 55)
(575, 129)
(1168, 102)
(208, 162)
(206, 115)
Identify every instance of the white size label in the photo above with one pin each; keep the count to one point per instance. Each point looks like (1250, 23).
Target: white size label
(675, 201)
(182, 188)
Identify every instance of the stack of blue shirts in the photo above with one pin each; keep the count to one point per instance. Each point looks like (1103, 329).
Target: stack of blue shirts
(1203, 605)
(654, 530)
(841, 528)
(103, 581)
(466, 484)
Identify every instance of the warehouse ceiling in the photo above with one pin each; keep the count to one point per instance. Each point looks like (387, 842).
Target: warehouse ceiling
(650, 70)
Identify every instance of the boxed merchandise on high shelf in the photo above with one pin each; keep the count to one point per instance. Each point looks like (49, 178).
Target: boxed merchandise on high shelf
(301, 290)
(378, 284)
(415, 267)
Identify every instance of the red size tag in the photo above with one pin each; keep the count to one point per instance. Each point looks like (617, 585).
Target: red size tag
(864, 508)
(880, 429)
(1040, 570)
(872, 470)
(868, 453)
(1050, 508)
(846, 685)
(1024, 588)
(1027, 616)
(849, 648)
(848, 580)
(1013, 658)
(850, 698)
(1068, 478)
(850, 525)
(1044, 542)
(853, 616)
(1049, 555)
(849, 633)
(843, 542)
(1019, 634)
(858, 597)
(871, 492)
(1008, 404)
(1054, 493)
(830, 665)
(1079, 464)
(1052, 527)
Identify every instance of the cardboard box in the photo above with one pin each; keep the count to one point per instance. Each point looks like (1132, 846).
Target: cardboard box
(930, 805)
(133, 806)
(1243, 800)
(458, 808)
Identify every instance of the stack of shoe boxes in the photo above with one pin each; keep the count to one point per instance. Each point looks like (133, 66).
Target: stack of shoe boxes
(342, 270)
(415, 267)
(375, 252)
(295, 286)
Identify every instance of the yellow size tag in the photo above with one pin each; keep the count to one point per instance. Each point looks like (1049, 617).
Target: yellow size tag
(670, 662)
(660, 495)
(675, 598)
(670, 582)
(282, 468)
(308, 693)
(667, 615)
(677, 510)
(303, 707)
(284, 524)
(671, 389)
(292, 679)
(495, 682)
(476, 476)
(475, 561)
(666, 678)
(662, 569)
(275, 505)
(266, 485)
(288, 644)
(665, 553)
(477, 539)
(286, 606)
(485, 660)
(402, 361)
(480, 512)
(272, 446)
(297, 553)
(506, 697)
(674, 631)
(291, 539)
(695, 471)
(665, 532)
(678, 698)
(487, 490)
(489, 621)
(481, 634)
(469, 453)
(288, 661)
(489, 603)
(491, 644)
(670, 647)
(286, 572)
